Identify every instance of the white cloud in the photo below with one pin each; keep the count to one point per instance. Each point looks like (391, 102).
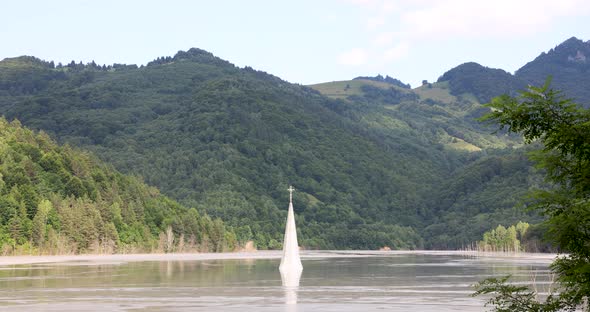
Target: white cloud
(385, 38)
(468, 18)
(365, 3)
(442, 19)
(388, 6)
(411, 21)
(397, 52)
(354, 57)
(384, 6)
(375, 22)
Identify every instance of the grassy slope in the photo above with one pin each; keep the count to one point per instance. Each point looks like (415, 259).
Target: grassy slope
(346, 88)
(436, 103)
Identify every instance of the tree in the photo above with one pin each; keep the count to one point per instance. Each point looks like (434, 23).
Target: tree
(545, 116)
(522, 228)
(502, 239)
(40, 222)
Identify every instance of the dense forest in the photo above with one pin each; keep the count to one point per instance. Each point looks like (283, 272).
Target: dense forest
(384, 165)
(483, 82)
(58, 200)
(229, 141)
(569, 66)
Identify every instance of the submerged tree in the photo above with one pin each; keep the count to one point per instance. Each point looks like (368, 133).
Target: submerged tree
(563, 128)
(504, 239)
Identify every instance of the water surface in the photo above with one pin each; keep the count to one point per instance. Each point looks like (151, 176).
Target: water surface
(331, 281)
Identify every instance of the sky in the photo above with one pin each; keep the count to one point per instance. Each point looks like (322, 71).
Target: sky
(300, 41)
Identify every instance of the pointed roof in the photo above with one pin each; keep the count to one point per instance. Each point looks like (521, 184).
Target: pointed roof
(290, 261)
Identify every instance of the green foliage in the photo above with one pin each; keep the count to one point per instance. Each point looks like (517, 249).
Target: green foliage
(477, 188)
(483, 82)
(487, 191)
(40, 222)
(504, 239)
(568, 64)
(521, 229)
(389, 96)
(510, 298)
(386, 79)
(543, 114)
(228, 141)
(56, 200)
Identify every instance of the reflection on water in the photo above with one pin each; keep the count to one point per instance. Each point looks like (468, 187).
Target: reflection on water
(392, 282)
(290, 281)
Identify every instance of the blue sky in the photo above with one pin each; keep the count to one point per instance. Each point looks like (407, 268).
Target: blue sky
(300, 41)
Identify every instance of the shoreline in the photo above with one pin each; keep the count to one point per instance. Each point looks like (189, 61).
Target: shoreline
(97, 259)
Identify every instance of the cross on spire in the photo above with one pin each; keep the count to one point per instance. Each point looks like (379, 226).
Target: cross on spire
(290, 189)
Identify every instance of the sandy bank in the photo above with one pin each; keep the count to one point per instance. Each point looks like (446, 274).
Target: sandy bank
(99, 259)
(274, 254)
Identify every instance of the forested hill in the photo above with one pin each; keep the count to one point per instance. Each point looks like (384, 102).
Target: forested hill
(568, 64)
(483, 82)
(57, 200)
(374, 163)
(229, 141)
(485, 182)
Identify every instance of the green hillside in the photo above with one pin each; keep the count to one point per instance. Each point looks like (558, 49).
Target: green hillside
(56, 200)
(346, 88)
(487, 192)
(229, 141)
(482, 82)
(369, 159)
(568, 64)
(485, 183)
(387, 79)
(430, 112)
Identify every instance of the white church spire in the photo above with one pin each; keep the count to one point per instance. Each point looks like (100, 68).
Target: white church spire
(290, 263)
(291, 189)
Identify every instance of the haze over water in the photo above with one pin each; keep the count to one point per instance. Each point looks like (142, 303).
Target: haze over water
(331, 281)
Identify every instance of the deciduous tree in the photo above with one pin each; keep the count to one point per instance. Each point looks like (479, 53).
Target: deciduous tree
(544, 115)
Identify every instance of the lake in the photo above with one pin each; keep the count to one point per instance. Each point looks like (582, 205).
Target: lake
(331, 281)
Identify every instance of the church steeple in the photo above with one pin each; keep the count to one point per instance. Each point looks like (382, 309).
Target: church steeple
(290, 263)
(291, 189)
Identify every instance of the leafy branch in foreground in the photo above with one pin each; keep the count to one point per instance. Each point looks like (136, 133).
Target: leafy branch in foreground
(510, 298)
(544, 115)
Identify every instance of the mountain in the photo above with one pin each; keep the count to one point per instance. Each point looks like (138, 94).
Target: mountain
(490, 174)
(485, 189)
(483, 82)
(568, 64)
(374, 162)
(229, 141)
(57, 199)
